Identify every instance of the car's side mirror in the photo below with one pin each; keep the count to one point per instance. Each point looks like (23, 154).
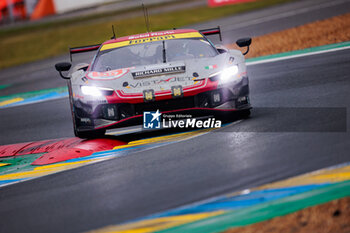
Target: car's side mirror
(63, 66)
(221, 49)
(244, 42)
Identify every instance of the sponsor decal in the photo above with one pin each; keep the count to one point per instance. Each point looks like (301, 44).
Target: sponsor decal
(85, 120)
(145, 83)
(177, 91)
(216, 97)
(152, 120)
(96, 102)
(154, 72)
(148, 95)
(211, 67)
(151, 34)
(151, 39)
(113, 74)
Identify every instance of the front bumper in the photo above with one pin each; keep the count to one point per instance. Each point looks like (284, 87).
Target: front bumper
(123, 114)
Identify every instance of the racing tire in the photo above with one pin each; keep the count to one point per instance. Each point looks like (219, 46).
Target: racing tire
(90, 134)
(244, 114)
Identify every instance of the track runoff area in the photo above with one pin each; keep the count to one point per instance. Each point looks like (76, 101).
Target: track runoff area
(25, 161)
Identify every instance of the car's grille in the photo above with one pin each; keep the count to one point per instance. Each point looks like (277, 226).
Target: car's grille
(209, 99)
(165, 105)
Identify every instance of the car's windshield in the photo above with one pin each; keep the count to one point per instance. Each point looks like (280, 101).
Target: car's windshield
(152, 53)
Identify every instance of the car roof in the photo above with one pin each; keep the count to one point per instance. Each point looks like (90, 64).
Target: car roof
(149, 35)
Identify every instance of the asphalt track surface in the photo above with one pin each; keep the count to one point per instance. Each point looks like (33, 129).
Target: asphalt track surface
(299, 124)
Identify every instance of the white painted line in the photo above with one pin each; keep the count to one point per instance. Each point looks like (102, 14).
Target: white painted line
(296, 56)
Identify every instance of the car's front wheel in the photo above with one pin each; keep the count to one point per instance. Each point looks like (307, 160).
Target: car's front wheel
(245, 113)
(86, 133)
(90, 133)
(83, 134)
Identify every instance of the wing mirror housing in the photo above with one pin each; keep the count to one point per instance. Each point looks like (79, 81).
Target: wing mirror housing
(63, 66)
(244, 42)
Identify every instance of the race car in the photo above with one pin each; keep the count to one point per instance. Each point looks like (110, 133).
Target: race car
(176, 70)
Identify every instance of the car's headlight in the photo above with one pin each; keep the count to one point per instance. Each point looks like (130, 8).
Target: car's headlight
(96, 91)
(225, 75)
(228, 72)
(91, 90)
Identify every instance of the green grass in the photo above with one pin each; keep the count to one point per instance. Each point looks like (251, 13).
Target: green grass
(41, 41)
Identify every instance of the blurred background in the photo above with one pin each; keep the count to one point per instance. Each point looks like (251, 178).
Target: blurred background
(24, 10)
(32, 30)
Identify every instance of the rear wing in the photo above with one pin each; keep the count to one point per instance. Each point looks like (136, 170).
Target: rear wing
(89, 48)
(212, 31)
(83, 49)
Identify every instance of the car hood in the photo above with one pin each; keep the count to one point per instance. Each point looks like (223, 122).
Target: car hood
(158, 77)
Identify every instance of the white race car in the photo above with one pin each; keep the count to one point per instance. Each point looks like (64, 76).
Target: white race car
(171, 71)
